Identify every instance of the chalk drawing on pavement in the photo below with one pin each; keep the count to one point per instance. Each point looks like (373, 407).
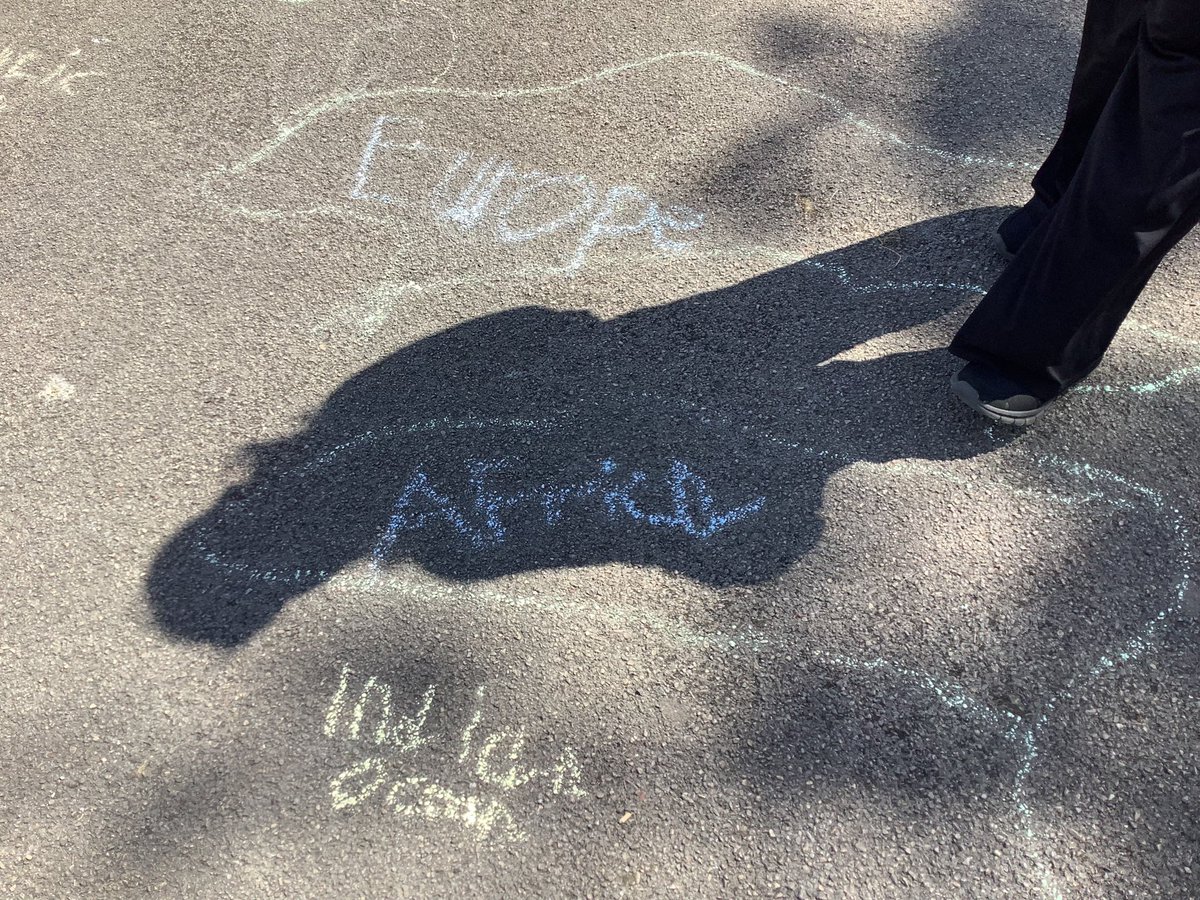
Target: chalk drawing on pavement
(677, 499)
(25, 71)
(486, 174)
(365, 712)
(612, 493)
(654, 220)
(481, 176)
(343, 98)
(473, 191)
(1024, 732)
(380, 303)
(306, 116)
(500, 762)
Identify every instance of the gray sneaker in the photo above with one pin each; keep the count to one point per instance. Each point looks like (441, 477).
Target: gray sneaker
(1001, 398)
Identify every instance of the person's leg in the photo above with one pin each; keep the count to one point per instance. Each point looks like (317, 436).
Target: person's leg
(1110, 33)
(1110, 30)
(1051, 315)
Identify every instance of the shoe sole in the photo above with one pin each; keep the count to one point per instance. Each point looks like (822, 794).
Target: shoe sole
(970, 397)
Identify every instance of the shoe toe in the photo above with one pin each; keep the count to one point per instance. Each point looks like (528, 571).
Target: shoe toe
(991, 392)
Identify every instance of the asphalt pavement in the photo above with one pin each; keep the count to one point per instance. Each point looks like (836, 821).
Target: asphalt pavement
(505, 450)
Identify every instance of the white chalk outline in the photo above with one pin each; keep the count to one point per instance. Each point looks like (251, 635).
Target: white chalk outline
(369, 316)
(1022, 733)
(339, 99)
(301, 118)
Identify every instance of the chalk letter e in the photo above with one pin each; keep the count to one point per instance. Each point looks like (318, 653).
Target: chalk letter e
(374, 143)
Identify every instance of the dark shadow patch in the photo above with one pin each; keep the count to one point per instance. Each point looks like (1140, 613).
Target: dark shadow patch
(695, 436)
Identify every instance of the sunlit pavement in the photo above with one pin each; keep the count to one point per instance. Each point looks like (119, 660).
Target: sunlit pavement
(482, 450)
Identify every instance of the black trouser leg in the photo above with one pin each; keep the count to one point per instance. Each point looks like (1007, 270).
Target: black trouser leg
(1053, 312)
(1110, 32)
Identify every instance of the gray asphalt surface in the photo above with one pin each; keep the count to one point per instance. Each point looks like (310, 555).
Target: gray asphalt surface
(504, 450)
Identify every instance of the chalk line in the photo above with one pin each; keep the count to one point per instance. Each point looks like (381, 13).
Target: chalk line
(337, 100)
(1022, 733)
(370, 315)
(1173, 379)
(373, 312)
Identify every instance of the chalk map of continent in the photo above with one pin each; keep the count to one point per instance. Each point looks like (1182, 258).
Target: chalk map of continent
(496, 451)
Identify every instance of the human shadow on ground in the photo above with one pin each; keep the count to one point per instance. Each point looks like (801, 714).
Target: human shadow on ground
(696, 436)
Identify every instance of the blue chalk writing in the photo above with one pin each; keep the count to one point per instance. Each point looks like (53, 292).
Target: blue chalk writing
(688, 490)
(480, 522)
(408, 514)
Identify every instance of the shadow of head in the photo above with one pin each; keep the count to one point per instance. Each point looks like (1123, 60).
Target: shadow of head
(695, 436)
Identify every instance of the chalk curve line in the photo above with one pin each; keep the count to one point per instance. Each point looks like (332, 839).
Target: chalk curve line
(1021, 732)
(397, 26)
(341, 98)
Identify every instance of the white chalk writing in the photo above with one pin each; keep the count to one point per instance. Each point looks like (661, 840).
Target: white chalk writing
(46, 72)
(363, 712)
(526, 206)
